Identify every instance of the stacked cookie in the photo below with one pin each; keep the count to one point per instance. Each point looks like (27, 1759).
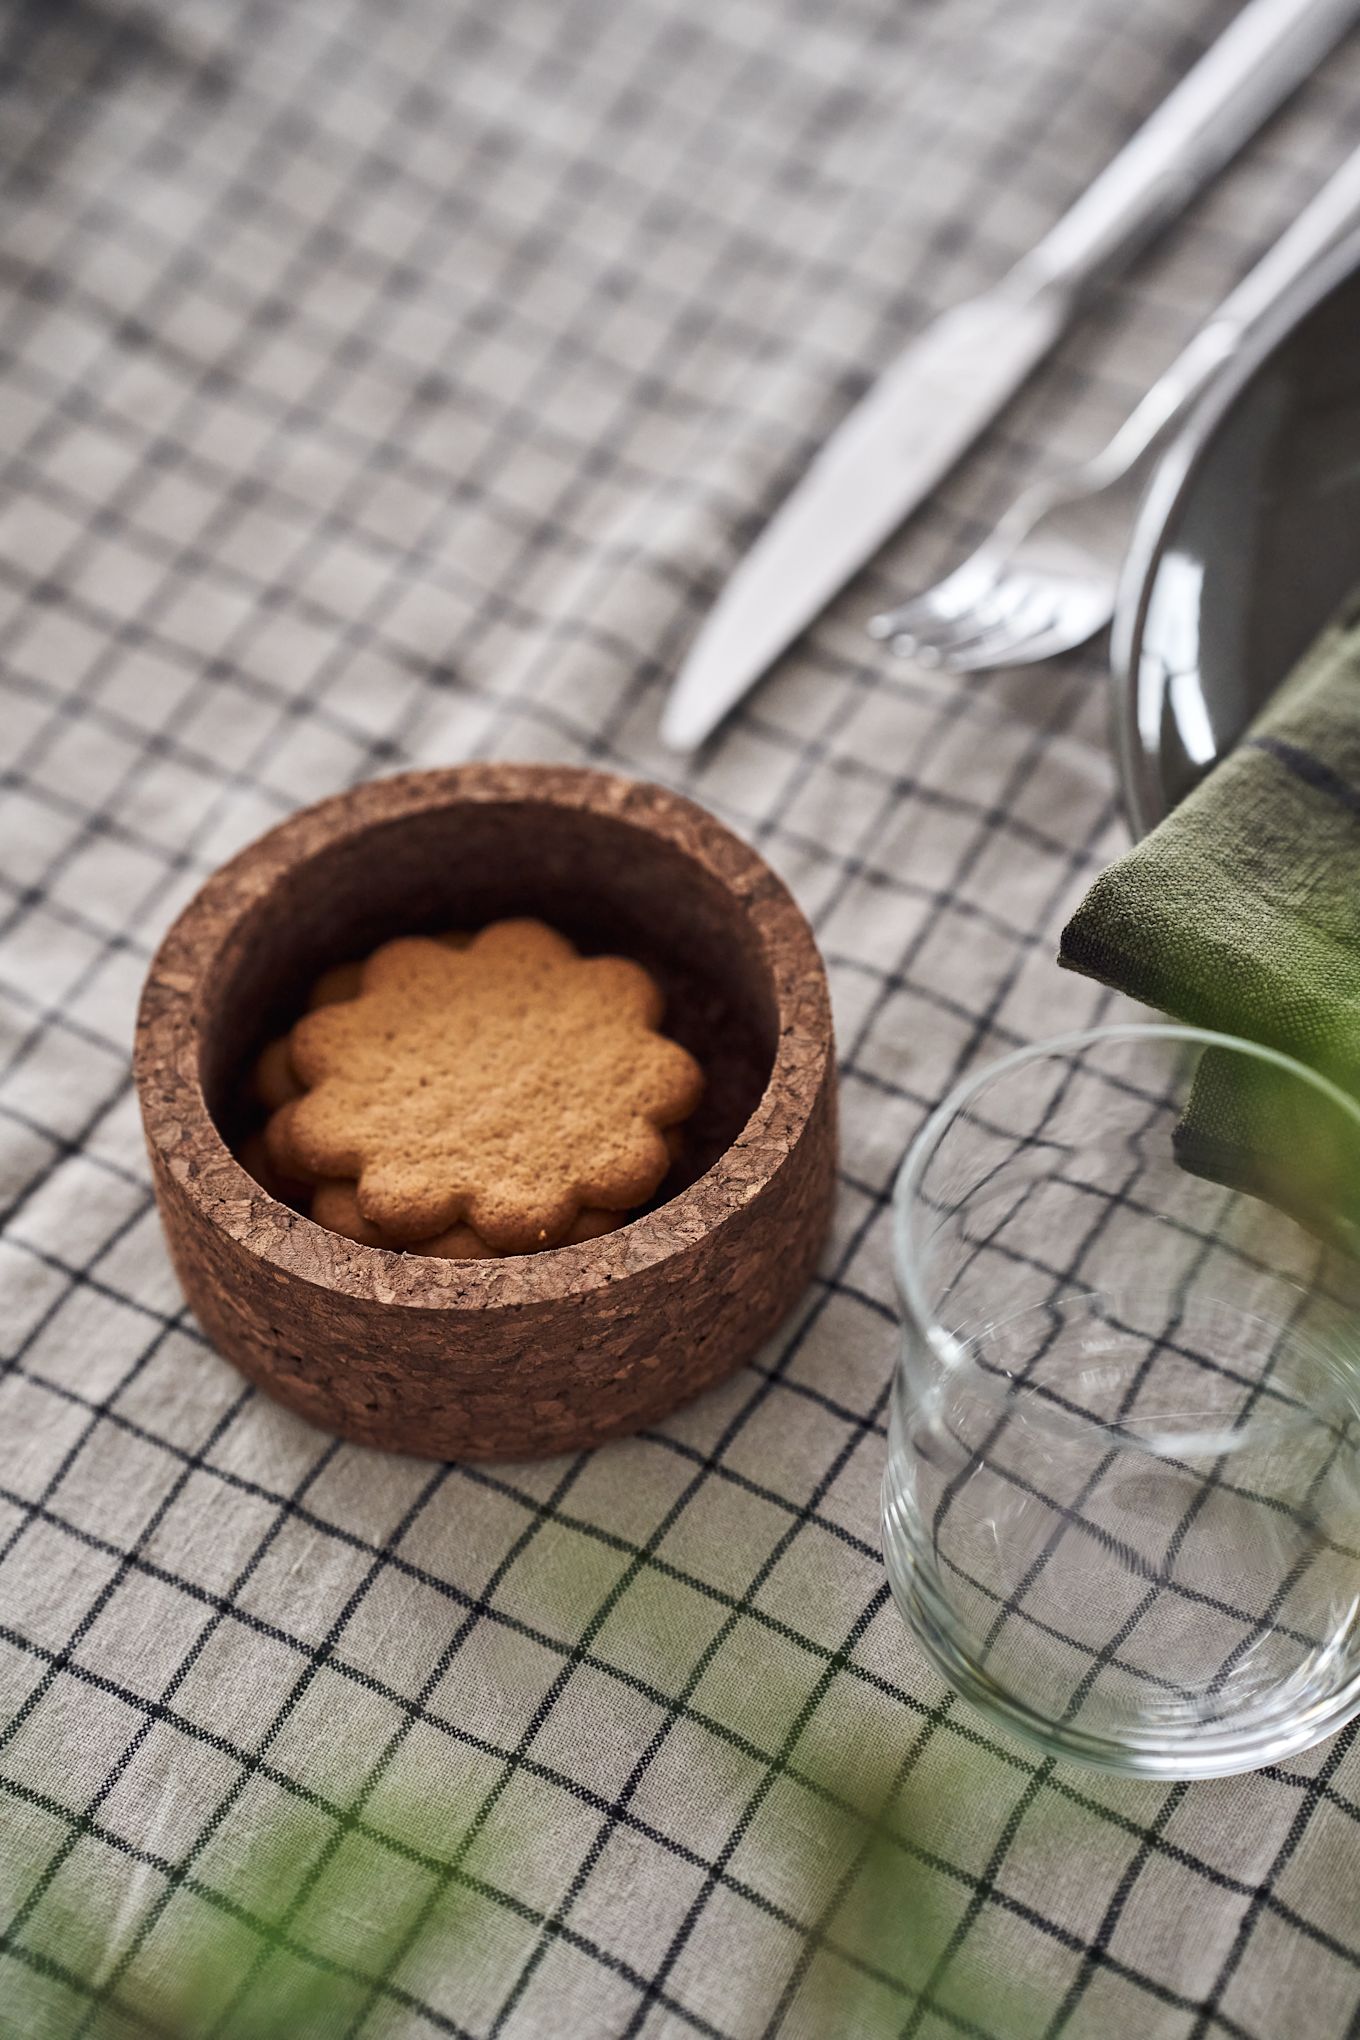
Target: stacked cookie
(472, 1096)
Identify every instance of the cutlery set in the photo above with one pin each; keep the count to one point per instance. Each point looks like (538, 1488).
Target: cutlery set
(1045, 579)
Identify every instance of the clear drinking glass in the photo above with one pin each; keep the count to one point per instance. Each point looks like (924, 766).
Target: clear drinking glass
(1122, 1502)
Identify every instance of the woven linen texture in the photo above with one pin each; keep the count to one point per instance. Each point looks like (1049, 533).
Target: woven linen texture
(396, 384)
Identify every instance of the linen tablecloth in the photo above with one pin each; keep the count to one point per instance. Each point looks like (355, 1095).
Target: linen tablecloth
(391, 384)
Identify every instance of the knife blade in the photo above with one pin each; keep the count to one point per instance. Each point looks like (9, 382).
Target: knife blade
(902, 438)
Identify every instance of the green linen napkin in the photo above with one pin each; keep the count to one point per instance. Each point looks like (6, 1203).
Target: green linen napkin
(1241, 912)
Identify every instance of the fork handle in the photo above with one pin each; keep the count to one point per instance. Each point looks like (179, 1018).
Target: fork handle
(1263, 54)
(1323, 220)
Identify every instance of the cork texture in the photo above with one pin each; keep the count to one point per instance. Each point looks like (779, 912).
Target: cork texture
(533, 1354)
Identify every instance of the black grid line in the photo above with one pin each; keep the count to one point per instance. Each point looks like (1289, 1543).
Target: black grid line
(423, 418)
(756, 1898)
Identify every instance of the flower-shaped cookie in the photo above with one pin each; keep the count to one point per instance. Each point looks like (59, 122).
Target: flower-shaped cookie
(507, 1085)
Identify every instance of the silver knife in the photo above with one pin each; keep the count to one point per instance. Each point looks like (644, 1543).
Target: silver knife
(901, 439)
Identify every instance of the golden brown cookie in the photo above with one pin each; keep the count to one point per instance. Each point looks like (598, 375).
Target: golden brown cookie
(254, 1156)
(510, 1084)
(336, 1206)
(279, 1145)
(593, 1225)
(345, 981)
(272, 1081)
(333, 987)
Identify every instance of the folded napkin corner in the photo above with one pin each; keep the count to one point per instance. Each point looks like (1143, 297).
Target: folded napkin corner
(1241, 910)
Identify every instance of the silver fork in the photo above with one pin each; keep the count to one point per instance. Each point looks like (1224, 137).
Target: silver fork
(1045, 579)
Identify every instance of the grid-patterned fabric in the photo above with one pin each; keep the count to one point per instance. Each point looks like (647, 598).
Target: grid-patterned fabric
(396, 384)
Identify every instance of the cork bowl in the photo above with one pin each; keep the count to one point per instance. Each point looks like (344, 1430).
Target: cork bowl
(530, 1354)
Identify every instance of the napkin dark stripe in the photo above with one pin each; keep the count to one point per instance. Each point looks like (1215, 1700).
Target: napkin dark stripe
(1311, 770)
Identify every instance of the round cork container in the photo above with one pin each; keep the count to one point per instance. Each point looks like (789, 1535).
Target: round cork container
(535, 1353)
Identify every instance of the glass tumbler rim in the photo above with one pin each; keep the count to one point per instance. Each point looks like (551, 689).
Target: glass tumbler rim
(906, 1255)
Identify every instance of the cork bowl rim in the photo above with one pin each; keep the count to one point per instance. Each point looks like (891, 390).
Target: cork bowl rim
(181, 1127)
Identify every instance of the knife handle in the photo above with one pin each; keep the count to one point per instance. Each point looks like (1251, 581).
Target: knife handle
(1261, 57)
